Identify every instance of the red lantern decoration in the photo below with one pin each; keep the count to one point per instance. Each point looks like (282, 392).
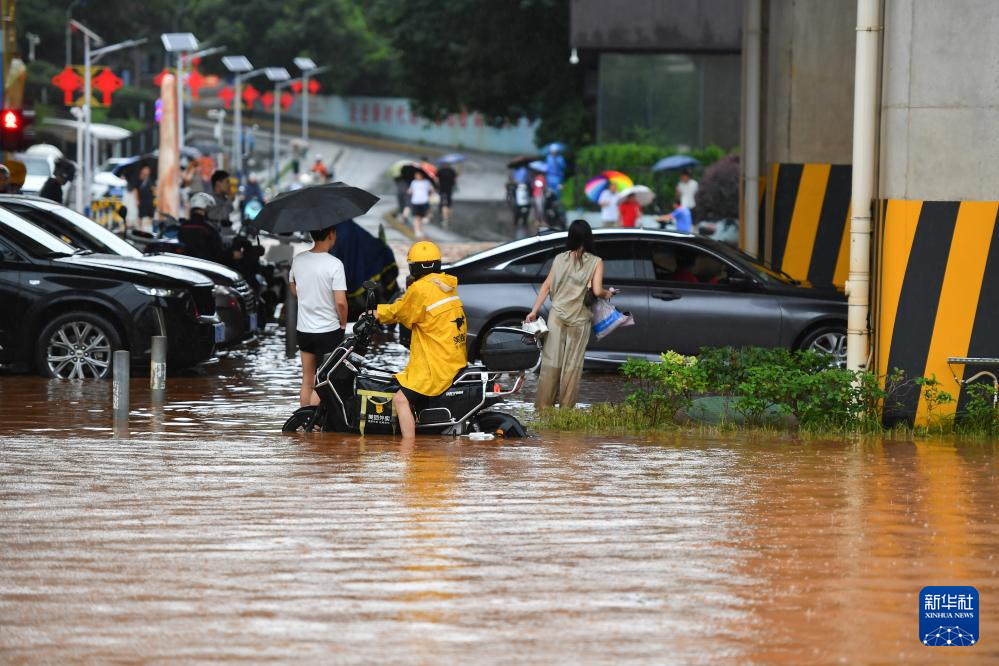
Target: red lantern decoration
(158, 80)
(286, 99)
(313, 86)
(226, 95)
(267, 99)
(107, 82)
(67, 81)
(250, 96)
(297, 86)
(195, 81)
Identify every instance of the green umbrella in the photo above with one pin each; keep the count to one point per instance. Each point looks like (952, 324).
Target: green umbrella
(395, 170)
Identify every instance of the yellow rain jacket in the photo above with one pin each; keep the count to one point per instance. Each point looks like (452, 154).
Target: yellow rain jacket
(432, 309)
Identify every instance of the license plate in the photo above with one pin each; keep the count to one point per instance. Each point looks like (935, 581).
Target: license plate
(253, 321)
(219, 332)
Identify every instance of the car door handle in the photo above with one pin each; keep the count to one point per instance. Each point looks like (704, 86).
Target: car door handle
(666, 295)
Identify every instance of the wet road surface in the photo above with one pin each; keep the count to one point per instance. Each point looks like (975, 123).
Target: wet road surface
(204, 534)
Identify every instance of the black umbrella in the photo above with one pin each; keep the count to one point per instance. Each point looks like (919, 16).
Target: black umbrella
(130, 170)
(426, 168)
(207, 146)
(521, 161)
(313, 208)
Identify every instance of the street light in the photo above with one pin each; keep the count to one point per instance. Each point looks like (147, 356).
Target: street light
(277, 75)
(243, 69)
(308, 66)
(85, 156)
(178, 42)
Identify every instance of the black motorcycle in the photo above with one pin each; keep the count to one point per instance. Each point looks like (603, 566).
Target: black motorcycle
(357, 397)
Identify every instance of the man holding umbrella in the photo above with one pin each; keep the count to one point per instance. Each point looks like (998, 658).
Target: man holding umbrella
(316, 277)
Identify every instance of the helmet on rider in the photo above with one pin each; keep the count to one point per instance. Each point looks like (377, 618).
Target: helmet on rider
(202, 201)
(424, 258)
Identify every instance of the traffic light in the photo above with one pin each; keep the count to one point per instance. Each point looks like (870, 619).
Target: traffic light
(11, 129)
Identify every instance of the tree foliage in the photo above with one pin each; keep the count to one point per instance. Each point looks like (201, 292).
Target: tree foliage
(504, 59)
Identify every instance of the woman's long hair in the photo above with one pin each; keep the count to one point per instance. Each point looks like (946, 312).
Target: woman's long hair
(580, 236)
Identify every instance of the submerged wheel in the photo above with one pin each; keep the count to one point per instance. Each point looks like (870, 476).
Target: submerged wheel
(77, 345)
(829, 340)
(499, 424)
(303, 420)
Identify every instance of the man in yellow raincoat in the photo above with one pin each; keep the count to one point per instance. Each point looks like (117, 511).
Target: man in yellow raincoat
(432, 310)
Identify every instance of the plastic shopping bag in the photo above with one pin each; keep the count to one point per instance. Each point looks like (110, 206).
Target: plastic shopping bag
(607, 318)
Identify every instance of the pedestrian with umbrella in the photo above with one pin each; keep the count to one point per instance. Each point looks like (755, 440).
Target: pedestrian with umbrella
(317, 278)
(421, 186)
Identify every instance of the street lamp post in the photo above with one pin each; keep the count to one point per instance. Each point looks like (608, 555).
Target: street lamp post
(280, 77)
(243, 69)
(308, 66)
(179, 42)
(86, 156)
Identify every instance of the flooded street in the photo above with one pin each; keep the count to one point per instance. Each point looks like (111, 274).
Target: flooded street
(203, 533)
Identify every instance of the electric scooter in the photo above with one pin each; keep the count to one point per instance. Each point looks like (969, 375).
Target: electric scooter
(356, 396)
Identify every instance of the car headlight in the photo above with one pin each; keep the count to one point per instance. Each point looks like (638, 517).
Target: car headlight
(156, 291)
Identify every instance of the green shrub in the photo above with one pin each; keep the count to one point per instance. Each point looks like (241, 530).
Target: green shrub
(979, 416)
(662, 388)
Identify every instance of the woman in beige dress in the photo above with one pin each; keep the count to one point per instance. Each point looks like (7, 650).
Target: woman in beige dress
(573, 273)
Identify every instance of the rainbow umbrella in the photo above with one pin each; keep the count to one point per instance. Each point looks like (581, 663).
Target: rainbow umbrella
(596, 186)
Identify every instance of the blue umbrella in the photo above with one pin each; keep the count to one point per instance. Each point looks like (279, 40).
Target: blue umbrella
(675, 162)
(451, 158)
(538, 165)
(558, 146)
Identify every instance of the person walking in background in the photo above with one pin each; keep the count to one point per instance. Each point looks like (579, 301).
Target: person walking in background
(419, 199)
(447, 178)
(573, 273)
(629, 210)
(318, 280)
(52, 189)
(556, 169)
(608, 206)
(145, 193)
(680, 217)
(686, 190)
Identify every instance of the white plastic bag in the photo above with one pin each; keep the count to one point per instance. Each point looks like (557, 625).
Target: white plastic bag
(607, 318)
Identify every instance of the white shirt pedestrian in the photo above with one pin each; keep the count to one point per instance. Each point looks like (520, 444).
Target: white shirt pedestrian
(419, 191)
(608, 207)
(687, 191)
(316, 276)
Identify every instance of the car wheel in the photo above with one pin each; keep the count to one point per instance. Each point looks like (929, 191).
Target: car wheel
(77, 345)
(829, 340)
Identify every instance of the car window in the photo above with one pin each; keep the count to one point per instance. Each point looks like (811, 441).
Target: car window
(619, 260)
(36, 166)
(677, 262)
(37, 242)
(8, 254)
(533, 265)
(82, 231)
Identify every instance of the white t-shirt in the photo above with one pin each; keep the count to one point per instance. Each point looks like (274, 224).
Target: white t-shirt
(316, 276)
(608, 206)
(419, 192)
(688, 193)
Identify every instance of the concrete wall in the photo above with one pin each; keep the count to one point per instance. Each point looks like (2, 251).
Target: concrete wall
(940, 101)
(809, 57)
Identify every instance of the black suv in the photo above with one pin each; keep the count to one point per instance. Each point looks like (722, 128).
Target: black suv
(235, 300)
(67, 310)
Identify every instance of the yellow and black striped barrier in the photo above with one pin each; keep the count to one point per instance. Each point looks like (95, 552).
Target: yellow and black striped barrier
(936, 294)
(104, 211)
(808, 221)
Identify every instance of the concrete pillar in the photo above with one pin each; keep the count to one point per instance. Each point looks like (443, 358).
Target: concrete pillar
(937, 259)
(808, 128)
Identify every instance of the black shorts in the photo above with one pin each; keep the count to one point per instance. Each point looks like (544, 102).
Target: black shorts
(320, 344)
(417, 401)
(420, 210)
(445, 198)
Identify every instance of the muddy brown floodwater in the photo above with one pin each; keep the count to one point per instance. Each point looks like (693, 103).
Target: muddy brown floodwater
(204, 534)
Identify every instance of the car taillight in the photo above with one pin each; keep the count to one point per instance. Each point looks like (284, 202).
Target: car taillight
(497, 388)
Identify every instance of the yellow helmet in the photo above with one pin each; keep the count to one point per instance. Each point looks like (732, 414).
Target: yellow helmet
(423, 252)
